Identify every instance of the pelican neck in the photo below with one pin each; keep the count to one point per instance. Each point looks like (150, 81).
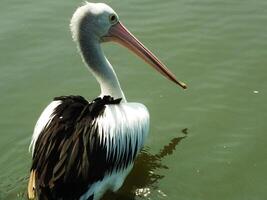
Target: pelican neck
(100, 67)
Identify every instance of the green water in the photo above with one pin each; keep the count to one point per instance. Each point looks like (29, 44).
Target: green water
(205, 143)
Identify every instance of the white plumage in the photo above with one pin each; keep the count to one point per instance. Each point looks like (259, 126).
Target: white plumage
(117, 124)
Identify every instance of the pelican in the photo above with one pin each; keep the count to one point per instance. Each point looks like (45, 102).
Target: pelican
(81, 149)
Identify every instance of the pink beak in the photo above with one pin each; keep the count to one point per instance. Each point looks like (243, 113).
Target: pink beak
(120, 34)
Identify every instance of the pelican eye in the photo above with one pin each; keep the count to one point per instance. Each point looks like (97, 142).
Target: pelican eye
(113, 19)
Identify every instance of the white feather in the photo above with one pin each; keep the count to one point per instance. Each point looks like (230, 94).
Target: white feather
(112, 182)
(121, 122)
(43, 121)
(94, 8)
(115, 125)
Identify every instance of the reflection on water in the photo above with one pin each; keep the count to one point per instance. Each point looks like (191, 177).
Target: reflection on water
(144, 177)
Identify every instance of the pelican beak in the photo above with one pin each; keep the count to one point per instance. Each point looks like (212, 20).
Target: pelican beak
(120, 34)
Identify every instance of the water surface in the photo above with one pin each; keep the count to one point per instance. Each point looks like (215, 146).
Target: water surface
(205, 143)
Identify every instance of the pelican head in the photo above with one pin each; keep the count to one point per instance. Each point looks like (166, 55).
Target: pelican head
(98, 22)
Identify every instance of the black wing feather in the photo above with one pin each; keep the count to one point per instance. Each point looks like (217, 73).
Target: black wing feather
(68, 156)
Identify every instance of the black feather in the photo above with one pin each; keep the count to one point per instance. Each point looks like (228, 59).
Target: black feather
(68, 156)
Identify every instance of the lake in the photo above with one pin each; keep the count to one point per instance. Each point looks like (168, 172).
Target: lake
(207, 142)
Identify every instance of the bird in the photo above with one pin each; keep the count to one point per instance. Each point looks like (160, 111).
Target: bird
(81, 149)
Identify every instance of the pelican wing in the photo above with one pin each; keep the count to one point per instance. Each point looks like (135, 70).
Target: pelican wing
(68, 155)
